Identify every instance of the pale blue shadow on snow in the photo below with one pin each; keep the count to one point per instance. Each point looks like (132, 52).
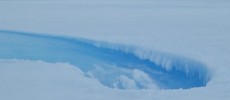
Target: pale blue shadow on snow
(85, 55)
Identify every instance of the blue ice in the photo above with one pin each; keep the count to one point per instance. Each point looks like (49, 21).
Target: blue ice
(85, 55)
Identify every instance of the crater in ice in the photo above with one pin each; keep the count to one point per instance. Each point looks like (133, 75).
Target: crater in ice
(124, 68)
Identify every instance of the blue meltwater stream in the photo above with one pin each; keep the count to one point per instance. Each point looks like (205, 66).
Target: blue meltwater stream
(105, 64)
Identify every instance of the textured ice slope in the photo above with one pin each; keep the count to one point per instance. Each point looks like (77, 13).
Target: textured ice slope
(113, 67)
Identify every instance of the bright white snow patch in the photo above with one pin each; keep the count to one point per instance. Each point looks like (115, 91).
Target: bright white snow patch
(37, 80)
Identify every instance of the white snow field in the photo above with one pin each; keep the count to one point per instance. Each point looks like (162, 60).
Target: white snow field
(118, 50)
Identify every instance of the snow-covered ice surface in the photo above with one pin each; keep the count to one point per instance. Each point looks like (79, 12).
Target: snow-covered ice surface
(193, 30)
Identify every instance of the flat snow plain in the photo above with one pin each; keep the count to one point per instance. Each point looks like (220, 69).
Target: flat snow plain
(197, 30)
